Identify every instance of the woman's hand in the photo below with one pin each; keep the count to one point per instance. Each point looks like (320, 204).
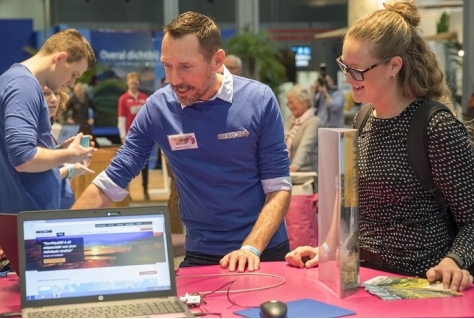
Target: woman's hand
(87, 161)
(451, 275)
(80, 170)
(303, 257)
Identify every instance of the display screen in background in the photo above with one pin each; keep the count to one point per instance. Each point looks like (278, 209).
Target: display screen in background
(302, 55)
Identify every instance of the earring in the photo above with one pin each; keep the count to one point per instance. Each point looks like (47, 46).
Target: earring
(393, 76)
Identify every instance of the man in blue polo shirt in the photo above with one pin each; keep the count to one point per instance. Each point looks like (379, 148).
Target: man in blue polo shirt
(223, 137)
(28, 160)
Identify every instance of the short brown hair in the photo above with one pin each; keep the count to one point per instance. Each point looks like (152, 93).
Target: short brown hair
(133, 75)
(73, 43)
(207, 32)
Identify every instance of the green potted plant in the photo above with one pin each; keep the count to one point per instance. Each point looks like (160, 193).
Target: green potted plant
(260, 57)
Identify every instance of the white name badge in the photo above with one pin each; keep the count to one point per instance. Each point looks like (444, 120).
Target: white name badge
(182, 141)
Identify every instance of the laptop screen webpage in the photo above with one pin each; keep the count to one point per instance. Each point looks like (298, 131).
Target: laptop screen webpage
(95, 256)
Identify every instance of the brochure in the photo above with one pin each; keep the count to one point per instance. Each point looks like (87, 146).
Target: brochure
(396, 288)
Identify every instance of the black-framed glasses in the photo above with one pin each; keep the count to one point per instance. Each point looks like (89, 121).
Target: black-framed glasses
(357, 74)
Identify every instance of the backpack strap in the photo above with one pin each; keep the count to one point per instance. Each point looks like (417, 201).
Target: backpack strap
(418, 157)
(418, 143)
(362, 116)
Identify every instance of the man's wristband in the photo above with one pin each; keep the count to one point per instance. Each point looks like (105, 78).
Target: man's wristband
(70, 169)
(252, 249)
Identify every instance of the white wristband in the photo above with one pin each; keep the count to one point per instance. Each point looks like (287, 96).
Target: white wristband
(326, 248)
(252, 249)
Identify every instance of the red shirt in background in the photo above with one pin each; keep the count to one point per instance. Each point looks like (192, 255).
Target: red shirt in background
(128, 107)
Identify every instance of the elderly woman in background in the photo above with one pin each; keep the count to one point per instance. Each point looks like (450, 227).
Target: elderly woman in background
(301, 131)
(301, 136)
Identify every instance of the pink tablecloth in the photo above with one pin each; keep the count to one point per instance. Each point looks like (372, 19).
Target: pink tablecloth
(300, 283)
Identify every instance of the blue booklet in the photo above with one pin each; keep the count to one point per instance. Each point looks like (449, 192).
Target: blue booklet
(303, 308)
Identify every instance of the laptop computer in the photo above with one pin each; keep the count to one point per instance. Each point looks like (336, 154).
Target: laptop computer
(97, 263)
(8, 239)
(67, 131)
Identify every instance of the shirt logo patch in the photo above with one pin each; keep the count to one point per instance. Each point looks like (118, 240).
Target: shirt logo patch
(237, 134)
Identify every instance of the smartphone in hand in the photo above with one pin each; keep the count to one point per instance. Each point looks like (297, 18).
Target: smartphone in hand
(85, 141)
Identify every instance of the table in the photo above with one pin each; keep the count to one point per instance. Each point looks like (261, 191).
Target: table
(304, 283)
(300, 283)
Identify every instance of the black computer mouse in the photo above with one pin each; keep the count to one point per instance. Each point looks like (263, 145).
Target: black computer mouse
(273, 309)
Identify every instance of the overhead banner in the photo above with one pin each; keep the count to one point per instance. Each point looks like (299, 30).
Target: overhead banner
(119, 53)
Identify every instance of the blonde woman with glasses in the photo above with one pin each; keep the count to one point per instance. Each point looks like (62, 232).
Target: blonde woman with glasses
(389, 65)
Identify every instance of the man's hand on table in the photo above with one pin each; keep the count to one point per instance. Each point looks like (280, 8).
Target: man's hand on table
(237, 260)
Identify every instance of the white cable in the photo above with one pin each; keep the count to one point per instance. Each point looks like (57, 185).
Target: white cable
(283, 280)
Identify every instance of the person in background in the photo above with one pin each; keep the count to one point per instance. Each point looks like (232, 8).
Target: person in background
(56, 102)
(329, 103)
(129, 104)
(301, 137)
(388, 64)
(29, 163)
(234, 64)
(224, 140)
(5, 266)
(469, 115)
(301, 131)
(89, 88)
(356, 107)
(79, 109)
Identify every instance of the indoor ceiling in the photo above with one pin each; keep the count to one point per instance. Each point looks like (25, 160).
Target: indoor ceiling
(425, 3)
(440, 2)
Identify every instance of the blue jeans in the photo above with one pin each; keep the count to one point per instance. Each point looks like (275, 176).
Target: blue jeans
(276, 253)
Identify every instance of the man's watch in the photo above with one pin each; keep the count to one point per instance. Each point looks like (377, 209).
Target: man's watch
(458, 260)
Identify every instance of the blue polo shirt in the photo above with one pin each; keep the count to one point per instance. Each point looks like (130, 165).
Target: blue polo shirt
(226, 154)
(24, 125)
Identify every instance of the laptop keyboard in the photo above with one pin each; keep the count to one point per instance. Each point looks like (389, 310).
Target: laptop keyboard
(116, 311)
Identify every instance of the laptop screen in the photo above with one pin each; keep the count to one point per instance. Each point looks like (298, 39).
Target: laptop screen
(95, 256)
